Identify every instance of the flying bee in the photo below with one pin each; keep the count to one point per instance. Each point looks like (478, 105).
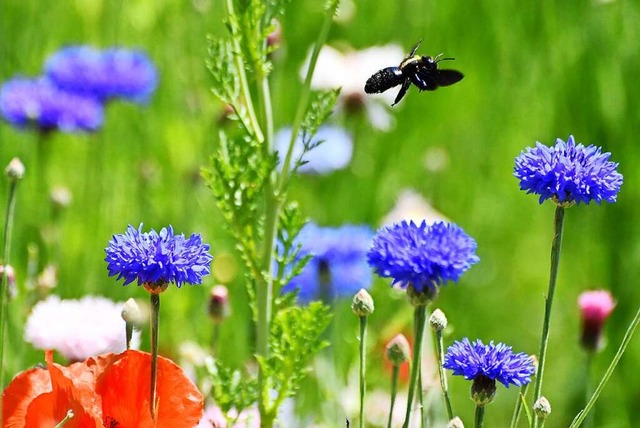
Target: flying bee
(422, 71)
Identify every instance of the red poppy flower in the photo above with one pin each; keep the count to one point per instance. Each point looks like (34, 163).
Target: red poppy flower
(105, 391)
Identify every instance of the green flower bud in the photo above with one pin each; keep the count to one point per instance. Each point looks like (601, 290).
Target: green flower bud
(437, 320)
(398, 350)
(362, 303)
(455, 423)
(542, 408)
(15, 170)
(483, 390)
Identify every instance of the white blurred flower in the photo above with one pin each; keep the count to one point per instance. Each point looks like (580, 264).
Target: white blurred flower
(410, 205)
(333, 153)
(350, 71)
(214, 418)
(78, 329)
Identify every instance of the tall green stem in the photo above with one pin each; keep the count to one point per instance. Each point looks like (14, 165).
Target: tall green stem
(553, 275)
(394, 390)
(443, 378)
(479, 420)
(623, 346)
(363, 385)
(155, 315)
(4, 260)
(517, 411)
(306, 91)
(420, 319)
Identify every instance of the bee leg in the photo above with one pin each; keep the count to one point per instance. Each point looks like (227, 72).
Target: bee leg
(403, 91)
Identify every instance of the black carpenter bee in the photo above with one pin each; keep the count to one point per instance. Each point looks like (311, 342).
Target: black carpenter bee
(422, 71)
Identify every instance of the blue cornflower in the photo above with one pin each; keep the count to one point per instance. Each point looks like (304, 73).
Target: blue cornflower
(496, 362)
(37, 102)
(156, 259)
(568, 173)
(338, 267)
(332, 150)
(421, 255)
(112, 73)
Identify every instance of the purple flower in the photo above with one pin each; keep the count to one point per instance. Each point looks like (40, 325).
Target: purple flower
(112, 73)
(425, 256)
(568, 173)
(158, 258)
(39, 103)
(496, 362)
(338, 267)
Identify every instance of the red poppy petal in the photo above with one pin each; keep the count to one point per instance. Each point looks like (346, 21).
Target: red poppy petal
(16, 398)
(124, 388)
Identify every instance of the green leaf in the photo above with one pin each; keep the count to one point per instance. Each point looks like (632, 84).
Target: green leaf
(320, 107)
(231, 389)
(226, 85)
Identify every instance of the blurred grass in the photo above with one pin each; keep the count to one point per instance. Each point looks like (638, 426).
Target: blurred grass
(533, 71)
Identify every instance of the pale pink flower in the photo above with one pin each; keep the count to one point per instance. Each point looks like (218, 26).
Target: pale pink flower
(78, 329)
(595, 308)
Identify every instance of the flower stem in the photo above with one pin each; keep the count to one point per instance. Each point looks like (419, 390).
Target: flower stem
(394, 390)
(128, 329)
(155, 315)
(623, 346)
(588, 385)
(479, 420)
(363, 385)
(553, 275)
(517, 411)
(420, 319)
(423, 413)
(306, 92)
(443, 378)
(4, 260)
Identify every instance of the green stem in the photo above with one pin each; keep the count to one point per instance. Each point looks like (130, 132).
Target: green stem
(588, 386)
(623, 346)
(128, 330)
(4, 260)
(423, 413)
(394, 390)
(215, 339)
(540, 421)
(363, 345)
(443, 377)
(155, 315)
(479, 420)
(517, 411)
(553, 275)
(306, 92)
(420, 318)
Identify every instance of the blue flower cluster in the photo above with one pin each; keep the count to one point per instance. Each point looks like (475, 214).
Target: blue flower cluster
(158, 258)
(568, 173)
(496, 362)
(69, 97)
(338, 267)
(422, 255)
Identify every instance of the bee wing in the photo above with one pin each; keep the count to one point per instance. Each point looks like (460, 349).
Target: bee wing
(447, 77)
(384, 79)
(425, 80)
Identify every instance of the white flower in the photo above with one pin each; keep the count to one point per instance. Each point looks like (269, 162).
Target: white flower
(410, 205)
(350, 71)
(78, 329)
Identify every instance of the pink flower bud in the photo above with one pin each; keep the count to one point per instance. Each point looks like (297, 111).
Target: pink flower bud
(595, 307)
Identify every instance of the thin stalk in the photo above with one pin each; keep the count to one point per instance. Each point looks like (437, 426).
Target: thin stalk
(443, 378)
(553, 275)
(517, 411)
(423, 413)
(623, 346)
(128, 330)
(588, 386)
(540, 421)
(155, 315)
(394, 390)
(420, 319)
(215, 339)
(363, 386)
(306, 92)
(4, 290)
(66, 419)
(479, 420)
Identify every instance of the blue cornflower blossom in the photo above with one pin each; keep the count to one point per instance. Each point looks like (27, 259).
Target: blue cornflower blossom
(496, 362)
(332, 148)
(157, 259)
(421, 255)
(338, 267)
(112, 73)
(568, 173)
(37, 102)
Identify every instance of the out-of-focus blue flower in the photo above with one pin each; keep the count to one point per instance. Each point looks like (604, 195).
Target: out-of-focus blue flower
(333, 153)
(107, 74)
(568, 173)
(425, 256)
(496, 362)
(338, 267)
(37, 102)
(158, 258)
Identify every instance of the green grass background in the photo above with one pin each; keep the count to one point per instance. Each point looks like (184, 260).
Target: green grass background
(534, 71)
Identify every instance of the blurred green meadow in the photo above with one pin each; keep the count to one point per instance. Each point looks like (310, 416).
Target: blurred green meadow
(534, 71)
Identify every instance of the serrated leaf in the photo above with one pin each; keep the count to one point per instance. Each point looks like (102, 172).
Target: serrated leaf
(321, 105)
(231, 389)
(226, 85)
